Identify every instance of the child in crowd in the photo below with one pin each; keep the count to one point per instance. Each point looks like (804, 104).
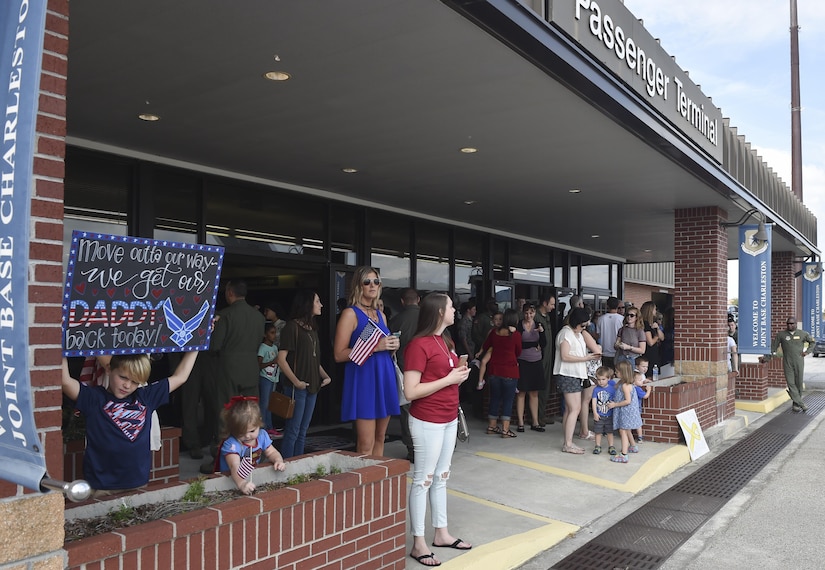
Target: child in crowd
(626, 414)
(643, 389)
(245, 442)
(268, 378)
(118, 420)
(602, 413)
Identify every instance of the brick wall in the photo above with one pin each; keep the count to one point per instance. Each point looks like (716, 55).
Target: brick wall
(700, 305)
(752, 383)
(354, 519)
(700, 299)
(638, 294)
(665, 402)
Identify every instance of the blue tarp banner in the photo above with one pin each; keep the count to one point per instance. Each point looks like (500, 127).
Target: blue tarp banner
(22, 25)
(812, 300)
(754, 292)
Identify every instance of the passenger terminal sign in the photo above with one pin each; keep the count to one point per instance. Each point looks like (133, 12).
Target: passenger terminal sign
(610, 32)
(754, 291)
(127, 295)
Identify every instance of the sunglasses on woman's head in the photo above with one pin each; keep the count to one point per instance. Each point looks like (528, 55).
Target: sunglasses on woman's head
(373, 281)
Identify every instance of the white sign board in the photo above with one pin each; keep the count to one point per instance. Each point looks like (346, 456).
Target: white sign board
(697, 446)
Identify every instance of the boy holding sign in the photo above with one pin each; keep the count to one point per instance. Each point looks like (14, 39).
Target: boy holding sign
(118, 418)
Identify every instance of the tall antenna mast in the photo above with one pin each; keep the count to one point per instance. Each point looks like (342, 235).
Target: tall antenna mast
(796, 109)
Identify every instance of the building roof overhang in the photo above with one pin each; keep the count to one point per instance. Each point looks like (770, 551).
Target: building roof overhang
(395, 89)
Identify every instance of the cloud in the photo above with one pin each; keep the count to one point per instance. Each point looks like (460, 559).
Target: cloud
(739, 52)
(729, 23)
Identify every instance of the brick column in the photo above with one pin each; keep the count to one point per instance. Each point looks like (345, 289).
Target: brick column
(783, 305)
(38, 518)
(700, 301)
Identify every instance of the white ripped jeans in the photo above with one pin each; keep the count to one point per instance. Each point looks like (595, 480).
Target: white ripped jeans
(434, 445)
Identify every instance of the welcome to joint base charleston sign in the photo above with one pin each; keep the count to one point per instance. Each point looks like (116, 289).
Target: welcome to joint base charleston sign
(22, 27)
(128, 295)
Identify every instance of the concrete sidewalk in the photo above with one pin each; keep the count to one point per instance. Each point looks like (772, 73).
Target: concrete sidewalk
(523, 503)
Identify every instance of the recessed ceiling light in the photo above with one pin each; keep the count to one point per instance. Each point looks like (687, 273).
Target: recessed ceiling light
(469, 150)
(647, 251)
(349, 170)
(575, 191)
(469, 202)
(277, 75)
(151, 117)
(595, 235)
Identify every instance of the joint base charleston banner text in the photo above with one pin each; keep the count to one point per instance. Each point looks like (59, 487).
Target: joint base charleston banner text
(812, 300)
(754, 291)
(128, 295)
(22, 27)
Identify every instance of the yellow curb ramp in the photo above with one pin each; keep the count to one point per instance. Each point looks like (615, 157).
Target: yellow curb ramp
(513, 551)
(763, 406)
(657, 467)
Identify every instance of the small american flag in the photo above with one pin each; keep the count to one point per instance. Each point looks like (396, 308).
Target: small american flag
(245, 467)
(366, 343)
(92, 373)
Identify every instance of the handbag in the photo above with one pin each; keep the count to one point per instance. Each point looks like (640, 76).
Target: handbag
(399, 380)
(282, 405)
(463, 433)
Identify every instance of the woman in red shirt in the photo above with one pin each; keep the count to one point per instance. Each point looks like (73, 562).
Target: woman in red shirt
(502, 372)
(431, 379)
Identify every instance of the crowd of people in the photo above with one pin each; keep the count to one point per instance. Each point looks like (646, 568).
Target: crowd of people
(598, 363)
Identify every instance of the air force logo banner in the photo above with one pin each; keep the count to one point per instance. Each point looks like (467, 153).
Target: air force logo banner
(754, 291)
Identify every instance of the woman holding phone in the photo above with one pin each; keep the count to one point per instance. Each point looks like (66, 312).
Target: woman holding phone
(432, 376)
(570, 369)
(531, 372)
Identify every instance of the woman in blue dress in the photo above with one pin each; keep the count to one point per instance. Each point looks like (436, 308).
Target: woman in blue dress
(370, 394)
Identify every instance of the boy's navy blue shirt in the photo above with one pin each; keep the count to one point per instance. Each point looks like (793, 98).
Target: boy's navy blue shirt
(118, 439)
(603, 395)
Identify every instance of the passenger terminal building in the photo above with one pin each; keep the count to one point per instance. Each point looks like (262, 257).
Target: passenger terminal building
(479, 147)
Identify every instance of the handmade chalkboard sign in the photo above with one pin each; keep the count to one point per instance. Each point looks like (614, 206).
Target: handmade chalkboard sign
(127, 295)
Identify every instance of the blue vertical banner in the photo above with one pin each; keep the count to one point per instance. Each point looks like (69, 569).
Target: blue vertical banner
(812, 299)
(22, 27)
(754, 291)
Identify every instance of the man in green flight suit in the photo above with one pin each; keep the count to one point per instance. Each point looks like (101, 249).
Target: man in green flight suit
(794, 352)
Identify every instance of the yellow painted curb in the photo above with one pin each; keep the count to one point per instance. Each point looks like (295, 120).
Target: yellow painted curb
(652, 470)
(513, 551)
(764, 406)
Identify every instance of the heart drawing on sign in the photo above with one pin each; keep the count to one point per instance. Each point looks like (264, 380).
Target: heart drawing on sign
(156, 293)
(80, 288)
(180, 299)
(111, 292)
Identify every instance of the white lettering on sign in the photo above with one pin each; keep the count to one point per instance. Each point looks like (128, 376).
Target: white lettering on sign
(657, 82)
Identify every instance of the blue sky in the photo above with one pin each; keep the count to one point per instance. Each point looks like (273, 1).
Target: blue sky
(739, 52)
